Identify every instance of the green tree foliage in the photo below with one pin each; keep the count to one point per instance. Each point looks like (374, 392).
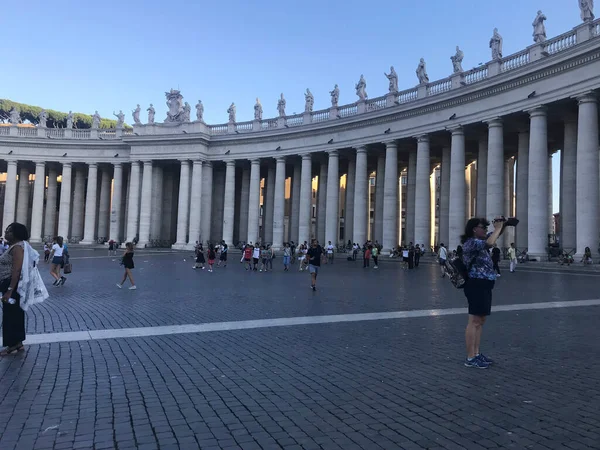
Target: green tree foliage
(56, 119)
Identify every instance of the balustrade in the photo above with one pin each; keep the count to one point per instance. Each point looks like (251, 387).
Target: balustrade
(562, 42)
(439, 87)
(268, 124)
(107, 134)
(295, 120)
(242, 127)
(55, 132)
(81, 134)
(348, 110)
(4, 131)
(476, 75)
(27, 132)
(320, 116)
(407, 96)
(376, 103)
(217, 129)
(515, 61)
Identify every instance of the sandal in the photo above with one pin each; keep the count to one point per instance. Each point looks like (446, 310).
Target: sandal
(15, 348)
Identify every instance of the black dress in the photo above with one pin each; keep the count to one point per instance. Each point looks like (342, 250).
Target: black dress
(13, 318)
(128, 260)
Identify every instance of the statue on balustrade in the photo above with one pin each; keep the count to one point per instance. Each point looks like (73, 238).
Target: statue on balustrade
(457, 60)
(309, 101)
(587, 10)
(539, 29)
(70, 120)
(258, 110)
(175, 105)
(96, 121)
(231, 112)
(281, 106)
(136, 115)
(15, 116)
(335, 96)
(151, 114)
(199, 111)
(422, 72)
(187, 112)
(496, 45)
(393, 78)
(120, 119)
(42, 118)
(361, 89)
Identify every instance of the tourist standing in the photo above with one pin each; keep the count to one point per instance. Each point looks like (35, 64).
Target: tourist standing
(287, 256)
(255, 256)
(223, 257)
(248, 250)
(314, 255)
(57, 261)
(442, 257)
(127, 263)
(211, 256)
(375, 255)
(199, 256)
(367, 256)
(417, 255)
(496, 258)
(46, 252)
(329, 253)
(512, 256)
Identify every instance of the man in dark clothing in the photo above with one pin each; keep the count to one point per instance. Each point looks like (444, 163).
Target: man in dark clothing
(417, 255)
(314, 255)
(496, 258)
(411, 255)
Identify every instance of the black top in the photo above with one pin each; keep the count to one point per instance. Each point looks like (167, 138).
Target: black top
(495, 254)
(128, 260)
(314, 255)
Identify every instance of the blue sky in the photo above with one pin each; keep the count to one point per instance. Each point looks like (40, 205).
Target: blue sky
(111, 55)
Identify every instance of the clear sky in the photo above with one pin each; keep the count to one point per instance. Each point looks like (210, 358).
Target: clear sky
(111, 55)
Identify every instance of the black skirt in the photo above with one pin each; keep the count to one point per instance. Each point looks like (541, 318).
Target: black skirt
(13, 318)
(200, 258)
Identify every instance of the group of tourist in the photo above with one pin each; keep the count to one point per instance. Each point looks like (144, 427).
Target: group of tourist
(212, 251)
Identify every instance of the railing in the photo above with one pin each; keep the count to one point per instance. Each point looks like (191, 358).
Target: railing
(4, 131)
(268, 124)
(27, 132)
(295, 120)
(407, 96)
(217, 129)
(243, 127)
(376, 103)
(127, 132)
(439, 87)
(55, 132)
(81, 134)
(348, 110)
(320, 116)
(515, 61)
(562, 42)
(107, 134)
(476, 75)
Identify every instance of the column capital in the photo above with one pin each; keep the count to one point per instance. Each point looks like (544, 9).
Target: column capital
(280, 159)
(456, 130)
(184, 161)
(147, 162)
(40, 163)
(65, 164)
(92, 164)
(117, 164)
(197, 162)
(361, 149)
(255, 161)
(537, 111)
(208, 164)
(494, 122)
(391, 144)
(333, 153)
(586, 97)
(307, 157)
(230, 162)
(424, 138)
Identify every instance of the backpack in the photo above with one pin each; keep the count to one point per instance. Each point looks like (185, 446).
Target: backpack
(458, 272)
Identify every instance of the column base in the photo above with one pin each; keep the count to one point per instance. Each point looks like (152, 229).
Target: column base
(538, 257)
(182, 246)
(142, 244)
(35, 240)
(86, 242)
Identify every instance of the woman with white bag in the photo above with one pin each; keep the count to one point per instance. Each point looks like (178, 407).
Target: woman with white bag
(20, 284)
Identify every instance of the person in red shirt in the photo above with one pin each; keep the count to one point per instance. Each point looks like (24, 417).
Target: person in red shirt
(367, 257)
(248, 249)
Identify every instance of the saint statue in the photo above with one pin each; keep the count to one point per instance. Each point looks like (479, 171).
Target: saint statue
(151, 113)
(335, 96)
(258, 111)
(96, 121)
(393, 77)
(42, 118)
(539, 29)
(587, 10)
(15, 116)
(422, 72)
(457, 60)
(200, 111)
(187, 111)
(136, 115)
(175, 105)
(120, 119)
(361, 87)
(281, 106)
(70, 120)
(231, 112)
(496, 45)
(309, 101)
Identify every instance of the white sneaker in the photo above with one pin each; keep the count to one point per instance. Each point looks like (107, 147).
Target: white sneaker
(119, 286)
(133, 288)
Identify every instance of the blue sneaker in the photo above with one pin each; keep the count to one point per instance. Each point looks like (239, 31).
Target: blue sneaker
(476, 363)
(485, 359)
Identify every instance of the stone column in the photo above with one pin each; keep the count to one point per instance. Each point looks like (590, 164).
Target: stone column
(587, 173)
(295, 210)
(509, 174)
(10, 193)
(207, 189)
(23, 196)
(482, 165)
(64, 211)
(444, 223)
(268, 206)
(349, 213)
(322, 203)
(254, 201)
(411, 181)
(456, 221)
(332, 218)
(37, 211)
(379, 188)
(523, 191)
(244, 202)
(133, 207)
(196, 202)
(538, 184)
(90, 205)
(279, 204)
(104, 208)
(550, 218)
(157, 204)
(183, 204)
(78, 204)
(361, 190)
(495, 172)
(568, 206)
(390, 197)
(304, 213)
(146, 205)
(115, 209)
(229, 203)
(50, 219)
(422, 194)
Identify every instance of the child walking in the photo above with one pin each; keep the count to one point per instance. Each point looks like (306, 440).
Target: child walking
(127, 263)
(211, 257)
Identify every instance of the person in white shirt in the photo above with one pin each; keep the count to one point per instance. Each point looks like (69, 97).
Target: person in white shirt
(57, 261)
(330, 252)
(442, 256)
(255, 256)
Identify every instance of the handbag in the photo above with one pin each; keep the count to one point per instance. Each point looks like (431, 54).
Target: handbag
(68, 268)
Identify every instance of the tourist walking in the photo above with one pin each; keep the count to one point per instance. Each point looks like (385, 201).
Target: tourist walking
(247, 256)
(255, 256)
(223, 257)
(367, 256)
(127, 263)
(211, 256)
(476, 243)
(329, 253)
(270, 257)
(375, 255)
(57, 258)
(199, 256)
(303, 264)
(442, 257)
(47, 248)
(417, 255)
(512, 256)
(112, 248)
(496, 258)
(287, 256)
(314, 255)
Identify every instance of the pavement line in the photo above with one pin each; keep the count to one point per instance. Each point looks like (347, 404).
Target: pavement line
(92, 335)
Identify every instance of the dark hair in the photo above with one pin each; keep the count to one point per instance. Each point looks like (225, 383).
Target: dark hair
(19, 231)
(471, 225)
(59, 240)
(129, 245)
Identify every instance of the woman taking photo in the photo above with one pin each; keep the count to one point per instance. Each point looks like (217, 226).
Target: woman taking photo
(127, 263)
(57, 261)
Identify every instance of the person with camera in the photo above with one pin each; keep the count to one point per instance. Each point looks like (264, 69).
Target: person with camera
(476, 243)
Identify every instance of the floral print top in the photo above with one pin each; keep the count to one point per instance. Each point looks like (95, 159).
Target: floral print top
(477, 259)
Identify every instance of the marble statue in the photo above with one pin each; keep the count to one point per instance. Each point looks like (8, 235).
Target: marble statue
(70, 120)
(281, 106)
(361, 89)
(457, 60)
(120, 119)
(136, 115)
(496, 45)
(187, 112)
(151, 114)
(587, 10)
(258, 110)
(175, 105)
(309, 101)
(335, 96)
(231, 112)
(15, 116)
(393, 78)
(42, 118)
(199, 111)
(539, 29)
(422, 72)
(96, 121)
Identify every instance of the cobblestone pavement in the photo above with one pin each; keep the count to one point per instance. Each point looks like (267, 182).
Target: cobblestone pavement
(389, 384)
